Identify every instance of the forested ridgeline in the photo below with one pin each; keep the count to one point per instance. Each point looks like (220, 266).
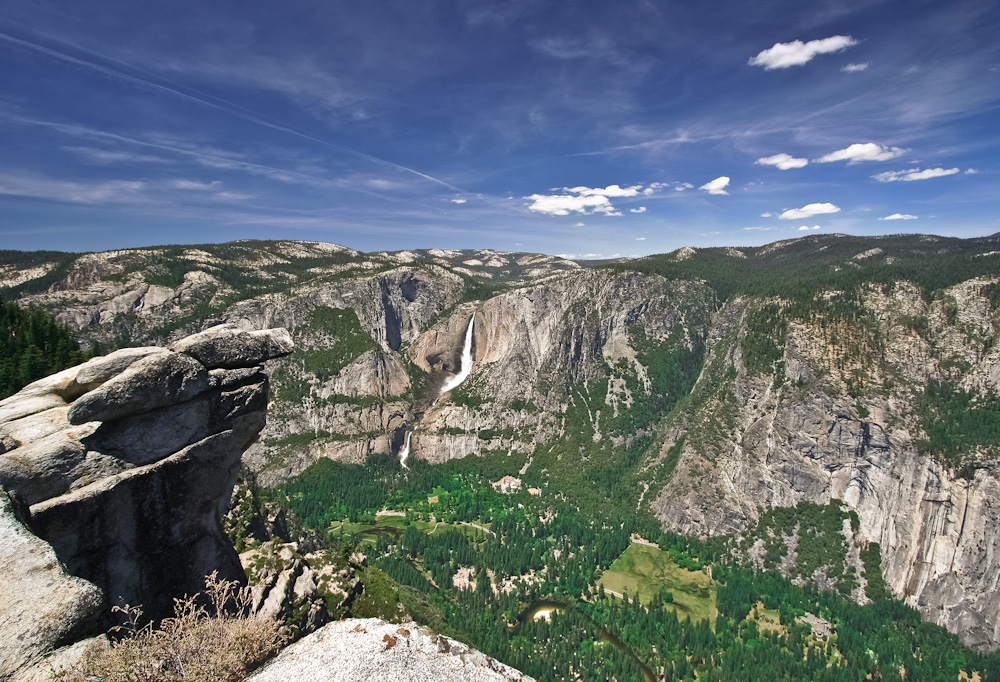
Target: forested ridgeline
(798, 270)
(33, 345)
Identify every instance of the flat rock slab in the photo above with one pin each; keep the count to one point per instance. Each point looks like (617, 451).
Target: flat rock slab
(228, 347)
(154, 381)
(371, 649)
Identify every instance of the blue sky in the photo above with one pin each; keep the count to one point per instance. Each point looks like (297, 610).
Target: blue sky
(586, 128)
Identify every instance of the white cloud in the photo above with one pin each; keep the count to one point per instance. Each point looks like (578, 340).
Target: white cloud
(458, 201)
(653, 186)
(808, 211)
(579, 225)
(867, 151)
(717, 186)
(914, 174)
(797, 53)
(782, 161)
(609, 191)
(563, 204)
(640, 239)
(804, 228)
(760, 229)
(641, 209)
(766, 214)
(683, 186)
(854, 68)
(585, 200)
(971, 171)
(195, 185)
(899, 216)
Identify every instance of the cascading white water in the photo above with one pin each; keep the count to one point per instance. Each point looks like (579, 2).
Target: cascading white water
(466, 367)
(405, 452)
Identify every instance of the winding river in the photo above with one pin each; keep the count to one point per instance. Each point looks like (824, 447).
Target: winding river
(544, 609)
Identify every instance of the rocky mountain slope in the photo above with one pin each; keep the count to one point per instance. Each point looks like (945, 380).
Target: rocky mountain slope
(703, 385)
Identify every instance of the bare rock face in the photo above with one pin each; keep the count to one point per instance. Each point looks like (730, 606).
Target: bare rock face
(122, 467)
(226, 347)
(529, 345)
(42, 607)
(804, 438)
(371, 649)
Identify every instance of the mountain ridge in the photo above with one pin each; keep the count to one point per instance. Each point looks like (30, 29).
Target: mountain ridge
(704, 383)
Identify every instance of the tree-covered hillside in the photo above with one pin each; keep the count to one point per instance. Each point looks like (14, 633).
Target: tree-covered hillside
(32, 346)
(801, 269)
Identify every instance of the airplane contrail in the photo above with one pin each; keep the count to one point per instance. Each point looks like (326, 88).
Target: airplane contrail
(219, 104)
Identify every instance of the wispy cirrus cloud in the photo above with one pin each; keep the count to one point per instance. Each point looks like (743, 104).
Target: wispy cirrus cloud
(148, 81)
(797, 53)
(195, 185)
(107, 157)
(899, 216)
(808, 211)
(854, 68)
(862, 151)
(717, 186)
(914, 174)
(782, 161)
(100, 192)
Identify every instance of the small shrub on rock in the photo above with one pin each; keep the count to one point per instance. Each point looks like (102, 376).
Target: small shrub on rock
(217, 644)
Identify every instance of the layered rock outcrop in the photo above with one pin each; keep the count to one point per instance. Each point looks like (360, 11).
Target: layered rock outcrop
(371, 649)
(118, 471)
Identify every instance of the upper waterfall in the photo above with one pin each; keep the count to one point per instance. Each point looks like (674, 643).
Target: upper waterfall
(466, 367)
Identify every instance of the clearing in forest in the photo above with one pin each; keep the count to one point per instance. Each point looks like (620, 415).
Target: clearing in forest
(645, 571)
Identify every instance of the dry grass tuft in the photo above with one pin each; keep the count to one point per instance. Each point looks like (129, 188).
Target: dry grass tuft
(193, 646)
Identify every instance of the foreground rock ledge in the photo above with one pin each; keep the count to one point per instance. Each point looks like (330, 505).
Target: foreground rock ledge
(371, 649)
(113, 478)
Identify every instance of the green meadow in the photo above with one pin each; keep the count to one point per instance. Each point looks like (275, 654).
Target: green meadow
(643, 571)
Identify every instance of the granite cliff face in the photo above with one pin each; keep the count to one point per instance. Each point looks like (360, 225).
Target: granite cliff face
(837, 417)
(116, 473)
(532, 346)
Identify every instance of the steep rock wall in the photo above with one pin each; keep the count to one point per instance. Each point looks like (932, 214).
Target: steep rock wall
(530, 345)
(122, 467)
(812, 434)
